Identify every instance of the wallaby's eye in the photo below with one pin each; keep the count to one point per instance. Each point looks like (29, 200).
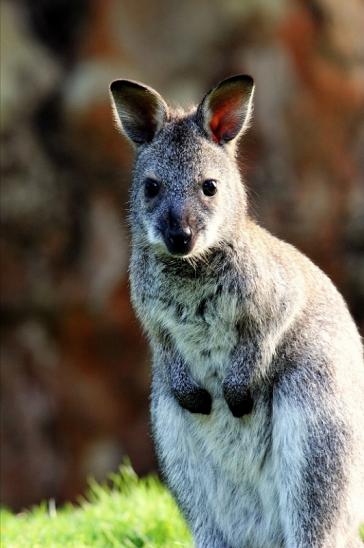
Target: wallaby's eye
(151, 188)
(209, 187)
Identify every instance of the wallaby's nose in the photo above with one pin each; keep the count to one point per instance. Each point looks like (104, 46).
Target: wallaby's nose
(179, 241)
(178, 235)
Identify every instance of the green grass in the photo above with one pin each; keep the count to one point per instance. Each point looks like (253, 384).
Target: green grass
(132, 512)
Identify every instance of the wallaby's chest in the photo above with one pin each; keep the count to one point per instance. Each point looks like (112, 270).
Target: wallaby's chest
(200, 318)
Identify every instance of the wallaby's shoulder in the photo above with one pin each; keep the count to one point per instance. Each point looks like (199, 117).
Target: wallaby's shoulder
(278, 254)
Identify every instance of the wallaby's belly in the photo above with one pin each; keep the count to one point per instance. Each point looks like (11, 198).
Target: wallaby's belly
(225, 461)
(245, 486)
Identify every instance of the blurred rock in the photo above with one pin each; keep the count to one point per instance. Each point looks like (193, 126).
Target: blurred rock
(106, 256)
(28, 72)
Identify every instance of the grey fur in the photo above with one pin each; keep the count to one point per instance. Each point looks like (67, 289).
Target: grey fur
(244, 321)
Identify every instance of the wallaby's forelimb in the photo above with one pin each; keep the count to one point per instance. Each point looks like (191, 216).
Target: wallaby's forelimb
(187, 392)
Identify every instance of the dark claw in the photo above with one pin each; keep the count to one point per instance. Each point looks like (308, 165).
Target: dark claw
(239, 404)
(239, 409)
(195, 401)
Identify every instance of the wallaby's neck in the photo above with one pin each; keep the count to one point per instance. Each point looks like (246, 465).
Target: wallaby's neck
(235, 256)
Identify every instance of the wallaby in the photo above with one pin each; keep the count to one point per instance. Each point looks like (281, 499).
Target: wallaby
(258, 376)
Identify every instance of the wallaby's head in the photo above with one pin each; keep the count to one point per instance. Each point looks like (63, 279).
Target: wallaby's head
(187, 196)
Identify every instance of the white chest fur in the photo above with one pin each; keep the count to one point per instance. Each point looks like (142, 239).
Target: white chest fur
(202, 326)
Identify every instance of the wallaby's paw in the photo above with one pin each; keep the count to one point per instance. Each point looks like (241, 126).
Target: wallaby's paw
(195, 401)
(239, 404)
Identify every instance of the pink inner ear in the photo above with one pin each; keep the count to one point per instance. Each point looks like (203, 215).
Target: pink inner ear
(225, 121)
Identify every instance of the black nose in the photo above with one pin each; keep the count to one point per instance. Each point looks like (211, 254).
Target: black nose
(179, 241)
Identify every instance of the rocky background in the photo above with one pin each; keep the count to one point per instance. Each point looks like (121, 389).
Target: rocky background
(75, 377)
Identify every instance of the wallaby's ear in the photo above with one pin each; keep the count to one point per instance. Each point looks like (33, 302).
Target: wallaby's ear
(139, 110)
(225, 111)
